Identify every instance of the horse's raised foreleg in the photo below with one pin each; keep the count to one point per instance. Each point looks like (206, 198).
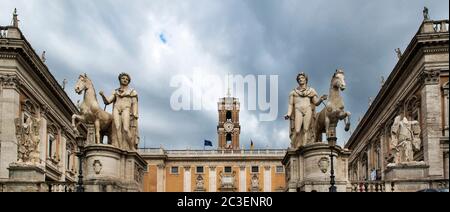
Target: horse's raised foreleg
(347, 121)
(76, 119)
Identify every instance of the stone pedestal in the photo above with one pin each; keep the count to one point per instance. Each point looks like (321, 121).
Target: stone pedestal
(26, 178)
(200, 190)
(109, 169)
(308, 168)
(408, 177)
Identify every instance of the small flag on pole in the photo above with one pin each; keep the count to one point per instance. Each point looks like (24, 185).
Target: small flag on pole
(208, 143)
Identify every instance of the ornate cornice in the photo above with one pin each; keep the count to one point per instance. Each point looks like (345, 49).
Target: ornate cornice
(436, 50)
(8, 56)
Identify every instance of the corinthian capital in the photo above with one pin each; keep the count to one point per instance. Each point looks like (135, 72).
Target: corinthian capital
(9, 81)
(430, 77)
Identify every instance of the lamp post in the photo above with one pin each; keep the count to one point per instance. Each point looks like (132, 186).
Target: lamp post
(332, 142)
(80, 155)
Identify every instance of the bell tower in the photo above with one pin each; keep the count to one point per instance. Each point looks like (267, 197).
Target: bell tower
(228, 128)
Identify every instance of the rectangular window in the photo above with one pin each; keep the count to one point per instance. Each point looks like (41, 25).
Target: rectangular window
(68, 160)
(199, 169)
(174, 170)
(280, 169)
(255, 169)
(51, 142)
(227, 169)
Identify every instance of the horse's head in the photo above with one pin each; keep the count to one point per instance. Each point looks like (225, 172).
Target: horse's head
(338, 81)
(82, 84)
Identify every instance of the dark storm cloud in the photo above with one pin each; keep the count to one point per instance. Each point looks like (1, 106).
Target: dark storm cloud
(104, 38)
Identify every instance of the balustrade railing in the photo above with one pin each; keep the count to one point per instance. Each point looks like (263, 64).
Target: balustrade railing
(256, 152)
(440, 26)
(61, 187)
(373, 186)
(3, 32)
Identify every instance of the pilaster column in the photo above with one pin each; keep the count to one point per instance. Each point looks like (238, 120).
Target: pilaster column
(431, 121)
(160, 182)
(267, 179)
(187, 179)
(212, 179)
(9, 108)
(242, 179)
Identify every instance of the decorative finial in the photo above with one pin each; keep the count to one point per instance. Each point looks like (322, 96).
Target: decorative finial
(370, 101)
(43, 58)
(399, 53)
(382, 81)
(15, 21)
(229, 90)
(425, 14)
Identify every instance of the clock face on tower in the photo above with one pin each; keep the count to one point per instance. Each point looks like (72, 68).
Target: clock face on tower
(228, 126)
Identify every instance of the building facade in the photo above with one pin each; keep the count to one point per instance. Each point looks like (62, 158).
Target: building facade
(35, 114)
(227, 169)
(417, 92)
(213, 170)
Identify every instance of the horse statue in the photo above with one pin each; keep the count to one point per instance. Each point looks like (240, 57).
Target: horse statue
(327, 119)
(91, 113)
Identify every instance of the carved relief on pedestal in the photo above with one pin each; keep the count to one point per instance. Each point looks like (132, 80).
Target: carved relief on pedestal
(323, 164)
(97, 167)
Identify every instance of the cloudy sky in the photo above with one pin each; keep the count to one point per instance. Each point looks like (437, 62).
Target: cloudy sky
(157, 40)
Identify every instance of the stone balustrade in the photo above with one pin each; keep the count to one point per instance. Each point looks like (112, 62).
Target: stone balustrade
(440, 26)
(3, 32)
(262, 152)
(392, 186)
(61, 187)
(372, 186)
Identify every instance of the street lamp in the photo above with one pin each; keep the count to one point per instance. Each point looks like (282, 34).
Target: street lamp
(332, 143)
(80, 154)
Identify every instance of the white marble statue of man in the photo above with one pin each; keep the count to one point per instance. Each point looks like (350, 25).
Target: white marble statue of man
(302, 105)
(125, 112)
